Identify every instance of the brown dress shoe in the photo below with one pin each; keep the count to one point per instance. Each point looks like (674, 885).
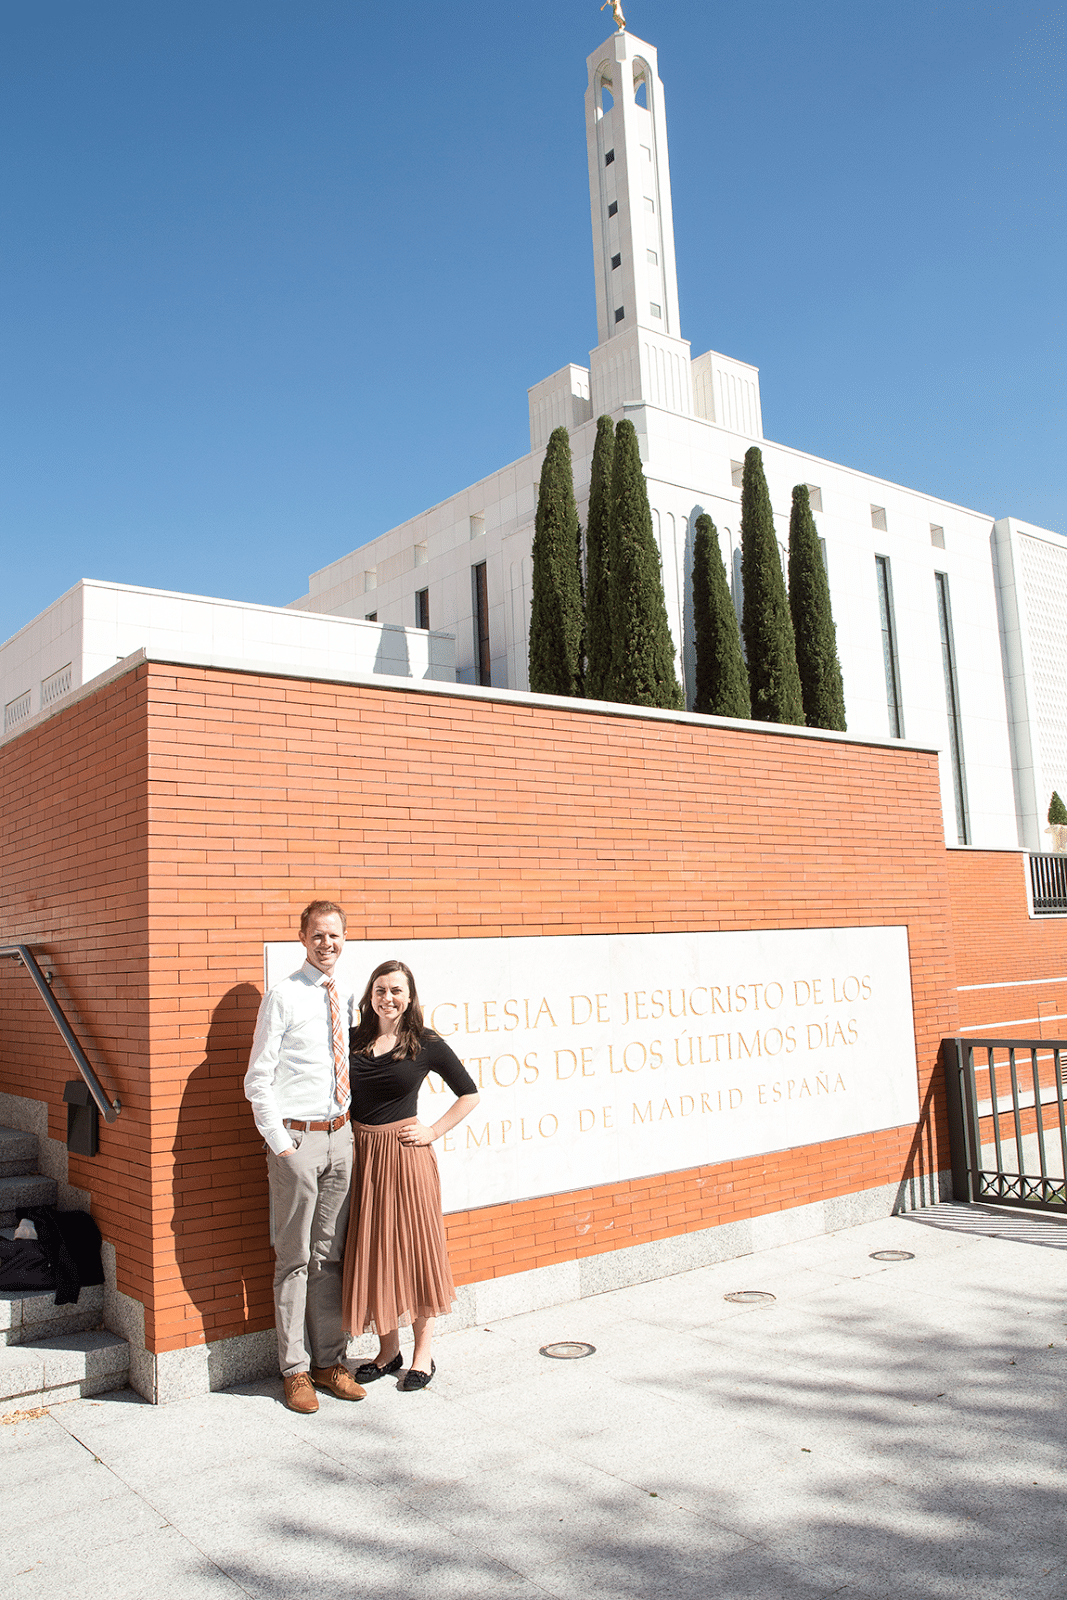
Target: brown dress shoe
(299, 1395)
(339, 1381)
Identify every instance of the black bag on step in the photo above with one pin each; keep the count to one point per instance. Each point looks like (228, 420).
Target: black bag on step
(71, 1242)
(24, 1265)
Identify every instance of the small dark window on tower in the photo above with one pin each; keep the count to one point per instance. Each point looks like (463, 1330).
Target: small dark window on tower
(372, 616)
(878, 521)
(609, 158)
(737, 473)
(422, 608)
(616, 261)
(613, 208)
(619, 313)
(480, 596)
(937, 536)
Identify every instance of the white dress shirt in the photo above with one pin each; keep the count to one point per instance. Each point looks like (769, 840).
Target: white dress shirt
(291, 1070)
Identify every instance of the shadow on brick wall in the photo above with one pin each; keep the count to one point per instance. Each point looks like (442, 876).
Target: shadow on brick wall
(221, 1215)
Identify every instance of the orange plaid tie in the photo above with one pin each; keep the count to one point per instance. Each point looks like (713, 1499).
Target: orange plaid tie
(340, 1047)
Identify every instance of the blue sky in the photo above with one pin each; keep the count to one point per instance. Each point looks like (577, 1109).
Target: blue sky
(276, 276)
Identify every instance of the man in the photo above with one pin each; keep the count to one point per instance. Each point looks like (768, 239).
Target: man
(297, 1083)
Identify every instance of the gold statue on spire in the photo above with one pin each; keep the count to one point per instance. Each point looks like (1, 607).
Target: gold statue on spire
(616, 10)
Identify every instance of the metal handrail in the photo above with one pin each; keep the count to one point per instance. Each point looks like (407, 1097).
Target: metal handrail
(109, 1109)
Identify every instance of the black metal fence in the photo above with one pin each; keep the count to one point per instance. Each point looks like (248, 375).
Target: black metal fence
(1007, 1121)
(1048, 883)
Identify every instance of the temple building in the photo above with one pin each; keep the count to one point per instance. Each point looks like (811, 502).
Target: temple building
(951, 626)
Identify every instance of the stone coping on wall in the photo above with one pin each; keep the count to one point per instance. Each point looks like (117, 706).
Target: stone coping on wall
(465, 691)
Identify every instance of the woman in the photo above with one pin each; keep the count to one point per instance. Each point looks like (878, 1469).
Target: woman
(396, 1264)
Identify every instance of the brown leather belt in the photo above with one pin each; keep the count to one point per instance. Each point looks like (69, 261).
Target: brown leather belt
(315, 1127)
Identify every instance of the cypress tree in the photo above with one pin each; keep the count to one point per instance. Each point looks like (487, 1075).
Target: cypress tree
(722, 680)
(597, 539)
(642, 653)
(1057, 811)
(556, 613)
(773, 680)
(813, 623)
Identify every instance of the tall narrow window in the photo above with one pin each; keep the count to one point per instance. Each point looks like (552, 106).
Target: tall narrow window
(422, 608)
(480, 597)
(889, 647)
(952, 705)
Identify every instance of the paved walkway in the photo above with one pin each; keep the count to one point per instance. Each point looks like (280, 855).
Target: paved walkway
(878, 1430)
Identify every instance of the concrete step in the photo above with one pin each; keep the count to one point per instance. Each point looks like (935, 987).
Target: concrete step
(32, 1314)
(18, 1152)
(24, 1189)
(68, 1367)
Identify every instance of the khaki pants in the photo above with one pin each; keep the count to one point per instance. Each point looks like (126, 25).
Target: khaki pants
(309, 1190)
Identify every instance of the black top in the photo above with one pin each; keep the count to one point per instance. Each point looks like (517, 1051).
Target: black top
(386, 1088)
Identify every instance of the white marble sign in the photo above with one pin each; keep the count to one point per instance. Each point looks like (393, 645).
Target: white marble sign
(615, 1056)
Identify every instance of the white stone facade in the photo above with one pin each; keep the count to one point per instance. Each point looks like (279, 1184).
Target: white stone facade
(93, 625)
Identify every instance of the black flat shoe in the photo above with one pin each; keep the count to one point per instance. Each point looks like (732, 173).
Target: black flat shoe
(371, 1370)
(418, 1380)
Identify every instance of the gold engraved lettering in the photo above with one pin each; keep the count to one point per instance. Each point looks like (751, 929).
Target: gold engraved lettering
(507, 1081)
(489, 1021)
(602, 1008)
(700, 989)
(511, 1012)
(642, 1116)
(549, 1118)
(580, 1000)
(563, 1076)
(443, 1005)
(630, 1047)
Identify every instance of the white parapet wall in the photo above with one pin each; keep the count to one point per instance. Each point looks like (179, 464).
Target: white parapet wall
(95, 624)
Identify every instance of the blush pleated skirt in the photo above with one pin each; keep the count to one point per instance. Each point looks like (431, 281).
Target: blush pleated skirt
(396, 1263)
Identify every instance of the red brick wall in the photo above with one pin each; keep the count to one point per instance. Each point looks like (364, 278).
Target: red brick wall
(74, 802)
(427, 816)
(1012, 967)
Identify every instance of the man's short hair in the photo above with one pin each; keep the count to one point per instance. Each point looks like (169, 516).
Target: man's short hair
(321, 908)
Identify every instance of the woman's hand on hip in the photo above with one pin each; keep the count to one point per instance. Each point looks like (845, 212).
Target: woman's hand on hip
(417, 1133)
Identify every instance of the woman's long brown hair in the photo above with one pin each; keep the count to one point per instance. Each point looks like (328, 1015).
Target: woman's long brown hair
(408, 1034)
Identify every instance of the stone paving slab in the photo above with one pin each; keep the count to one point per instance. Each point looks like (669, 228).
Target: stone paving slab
(876, 1431)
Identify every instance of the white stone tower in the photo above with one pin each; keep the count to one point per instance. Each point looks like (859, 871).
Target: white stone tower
(640, 354)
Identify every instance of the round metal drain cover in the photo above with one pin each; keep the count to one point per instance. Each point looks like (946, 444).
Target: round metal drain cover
(750, 1297)
(568, 1350)
(892, 1255)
